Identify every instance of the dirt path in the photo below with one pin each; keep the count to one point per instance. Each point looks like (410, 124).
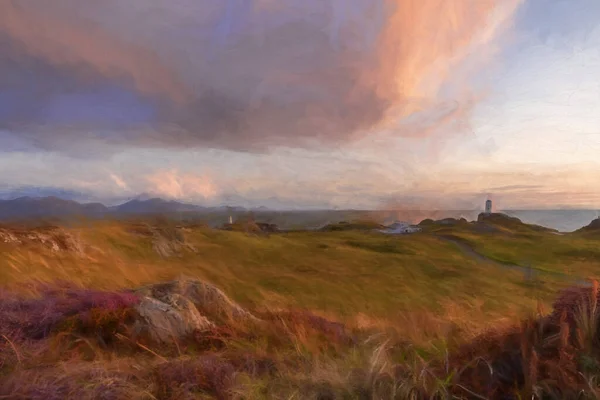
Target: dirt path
(529, 272)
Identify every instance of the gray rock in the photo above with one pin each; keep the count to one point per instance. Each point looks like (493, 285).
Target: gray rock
(209, 300)
(172, 317)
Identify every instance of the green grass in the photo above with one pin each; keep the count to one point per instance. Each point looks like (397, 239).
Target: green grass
(565, 254)
(341, 272)
(421, 289)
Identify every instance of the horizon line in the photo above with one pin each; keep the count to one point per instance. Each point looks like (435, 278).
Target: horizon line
(308, 208)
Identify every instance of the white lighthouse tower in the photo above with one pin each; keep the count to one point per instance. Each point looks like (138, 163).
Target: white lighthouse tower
(488, 207)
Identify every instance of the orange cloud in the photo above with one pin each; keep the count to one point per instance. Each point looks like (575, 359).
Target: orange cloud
(299, 74)
(173, 184)
(512, 186)
(422, 44)
(119, 181)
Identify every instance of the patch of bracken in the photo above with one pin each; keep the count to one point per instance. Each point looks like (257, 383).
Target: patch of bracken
(254, 365)
(570, 301)
(215, 339)
(55, 384)
(540, 354)
(208, 374)
(36, 318)
(335, 332)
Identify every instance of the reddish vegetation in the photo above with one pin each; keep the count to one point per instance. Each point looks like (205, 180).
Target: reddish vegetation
(553, 355)
(333, 332)
(48, 327)
(36, 318)
(541, 354)
(85, 384)
(569, 301)
(206, 373)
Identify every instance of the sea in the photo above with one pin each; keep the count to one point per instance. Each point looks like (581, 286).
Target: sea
(561, 220)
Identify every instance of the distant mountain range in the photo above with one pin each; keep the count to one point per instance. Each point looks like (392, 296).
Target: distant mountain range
(32, 207)
(52, 207)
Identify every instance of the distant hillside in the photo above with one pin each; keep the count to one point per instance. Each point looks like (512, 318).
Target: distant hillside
(53, 207)
(592, 227)
(358, 225)
(509, 222)
(564, 220)
(444, 221)
(38, 207)
(154, 206)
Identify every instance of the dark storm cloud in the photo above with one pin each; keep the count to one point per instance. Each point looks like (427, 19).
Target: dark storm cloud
(242, 75)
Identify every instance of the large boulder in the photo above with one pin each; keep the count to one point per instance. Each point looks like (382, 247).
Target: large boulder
(172, 317)
(209, 300)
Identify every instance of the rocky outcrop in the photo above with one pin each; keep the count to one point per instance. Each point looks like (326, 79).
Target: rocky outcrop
(172, 318)
(7, 236)
(251, 227)
(512, 223)
(52, 238)
(498, 218)
(158, 312)
(167, 241)
(180, 307)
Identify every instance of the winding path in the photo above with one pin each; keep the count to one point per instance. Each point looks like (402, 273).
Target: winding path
(530, 272)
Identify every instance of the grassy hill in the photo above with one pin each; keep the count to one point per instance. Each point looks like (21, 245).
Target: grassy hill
(592, 229)
(436, 289)
(345, 269)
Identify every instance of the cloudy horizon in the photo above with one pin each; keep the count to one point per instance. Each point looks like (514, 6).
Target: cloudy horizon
(317, 104)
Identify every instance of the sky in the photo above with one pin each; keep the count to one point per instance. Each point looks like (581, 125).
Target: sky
(303, 104)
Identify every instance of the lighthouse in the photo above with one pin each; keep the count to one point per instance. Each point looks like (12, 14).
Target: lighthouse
(488, 207)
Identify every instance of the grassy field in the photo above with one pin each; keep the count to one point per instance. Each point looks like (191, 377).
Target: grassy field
(422, 289)
(341, 273)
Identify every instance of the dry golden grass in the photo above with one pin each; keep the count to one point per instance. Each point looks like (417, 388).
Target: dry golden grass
(409, 303)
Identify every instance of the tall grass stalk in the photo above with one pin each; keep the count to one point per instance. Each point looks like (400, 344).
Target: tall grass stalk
(586, 320)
